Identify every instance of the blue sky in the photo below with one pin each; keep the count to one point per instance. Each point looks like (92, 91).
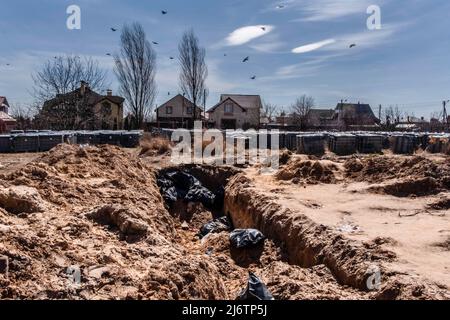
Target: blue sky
(406, 63)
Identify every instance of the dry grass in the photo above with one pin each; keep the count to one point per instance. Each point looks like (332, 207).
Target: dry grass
(151, 146)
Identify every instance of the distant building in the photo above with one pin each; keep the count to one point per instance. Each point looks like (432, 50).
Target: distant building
(7, 123)
(355, 114)
(178, 112)
(345, 116)
(321, 118)
(83, 108)
(235, 111)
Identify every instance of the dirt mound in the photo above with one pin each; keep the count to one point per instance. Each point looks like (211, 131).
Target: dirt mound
(377, 169)
(309, 171)
(77, 245)
(21, 199)
(409, 187)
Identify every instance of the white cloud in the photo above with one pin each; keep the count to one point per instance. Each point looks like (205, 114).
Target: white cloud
(313, 46)
(246, 34)
(322, 10)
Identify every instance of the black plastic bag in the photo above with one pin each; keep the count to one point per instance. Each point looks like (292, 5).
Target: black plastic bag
(256, 290)
(215, 226)
(245, 238)
(180, 185)
(202, 195)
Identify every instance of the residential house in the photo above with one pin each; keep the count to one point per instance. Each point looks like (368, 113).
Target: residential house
(236, 111)
(322, 118)
(350, 115)
(178, 112)
(7, 123)
(83, 108)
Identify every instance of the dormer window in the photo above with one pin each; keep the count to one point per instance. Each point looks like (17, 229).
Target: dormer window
(169, 110)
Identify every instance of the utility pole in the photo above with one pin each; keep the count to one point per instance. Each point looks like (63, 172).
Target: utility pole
(379, 113)
(204, 107)
(444, 113)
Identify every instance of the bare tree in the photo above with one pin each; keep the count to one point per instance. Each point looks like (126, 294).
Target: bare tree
(300, 110)
(59, 105)
(63, 74)
(193, 68)
(135, 69)
(269, 110)
(23, 115)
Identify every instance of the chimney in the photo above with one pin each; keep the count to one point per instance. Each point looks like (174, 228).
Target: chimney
(83, 87)
(109, 92)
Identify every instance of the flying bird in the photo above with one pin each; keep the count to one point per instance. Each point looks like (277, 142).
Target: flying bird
(263, 28)
(253, 78)
(246, 59)
(171, 58)
(168, 93)
(113, 29)
(280, 6)
(108, 54)
(8, 64)
(154, 42)
(224, 54)
(164, 12)
(352, 45)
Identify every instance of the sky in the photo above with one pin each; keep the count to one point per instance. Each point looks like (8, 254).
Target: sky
(295, 47)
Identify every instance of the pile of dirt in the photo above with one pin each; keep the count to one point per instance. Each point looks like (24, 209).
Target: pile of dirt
(377, 169)
(90, 223)
(309, 171)
(400, 176)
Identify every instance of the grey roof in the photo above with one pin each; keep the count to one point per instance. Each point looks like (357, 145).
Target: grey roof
(187, 102)
(322, 113)
(223, 101)
(244, 100)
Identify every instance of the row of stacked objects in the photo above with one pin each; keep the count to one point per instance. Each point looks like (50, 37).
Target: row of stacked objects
(344, 143)
(42, 141)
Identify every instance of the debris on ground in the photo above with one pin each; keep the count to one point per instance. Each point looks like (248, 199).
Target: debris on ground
(256, 290)
(246, 238)
(309, 171)
(215, 226)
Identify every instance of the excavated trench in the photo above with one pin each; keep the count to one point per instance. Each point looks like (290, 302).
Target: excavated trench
(294, 243)
(287, 250)
(100, 210)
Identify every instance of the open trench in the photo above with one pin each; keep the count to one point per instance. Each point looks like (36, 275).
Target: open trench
(289, 263)
(99, 209)
(300, 259)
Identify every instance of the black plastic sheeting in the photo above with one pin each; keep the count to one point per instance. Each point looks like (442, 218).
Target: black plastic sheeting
(256, 290)
(180, 185)
(246, 238)
(215, 226)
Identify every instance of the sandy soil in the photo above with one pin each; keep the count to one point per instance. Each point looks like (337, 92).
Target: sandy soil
(410, 227)
(98, 210)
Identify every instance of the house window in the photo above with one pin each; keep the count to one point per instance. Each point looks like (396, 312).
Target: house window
(228, 108)
(190, 110)
(169, 110)
(106, 108)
